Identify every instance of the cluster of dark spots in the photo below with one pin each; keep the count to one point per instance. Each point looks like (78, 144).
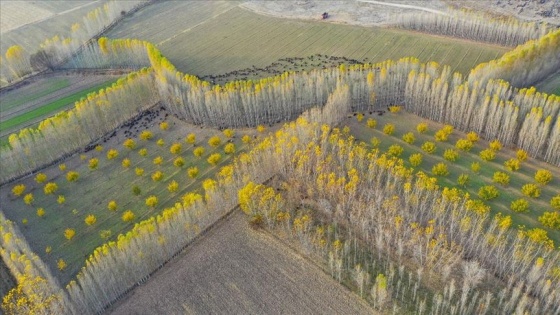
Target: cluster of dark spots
(317, 61)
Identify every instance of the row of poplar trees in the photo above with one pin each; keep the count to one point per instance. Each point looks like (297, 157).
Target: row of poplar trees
(474, 26)
(395, 234)
(480, 102)
(18, 61)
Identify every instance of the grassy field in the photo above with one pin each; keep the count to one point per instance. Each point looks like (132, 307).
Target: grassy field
(45, 97)
(14, 100)
(221, 37)
(49, 109)
(404, 123)
(242, 271)
(91, 193)
(550, 85)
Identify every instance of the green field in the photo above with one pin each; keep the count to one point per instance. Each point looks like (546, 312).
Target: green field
(551, 85)
(217, 37)
(17, 99)
(91, 193)
(49, 109)
(404, 123)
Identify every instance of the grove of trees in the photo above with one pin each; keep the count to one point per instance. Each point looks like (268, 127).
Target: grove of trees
(19, 62)
(378, 220)
(364, 213)
(473, 26)
(492, 108)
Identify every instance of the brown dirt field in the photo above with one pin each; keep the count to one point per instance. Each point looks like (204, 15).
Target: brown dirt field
(236, 270)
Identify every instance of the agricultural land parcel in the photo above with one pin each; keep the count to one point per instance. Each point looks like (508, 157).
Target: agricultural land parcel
(45, 97)
(284, 39)
(244, 272)
(91, 193)
(218, 37)
(405, 123)
(29, 23)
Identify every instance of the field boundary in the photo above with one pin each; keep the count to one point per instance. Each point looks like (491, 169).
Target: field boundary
(80, 71)
(16, 83)
(81, 149)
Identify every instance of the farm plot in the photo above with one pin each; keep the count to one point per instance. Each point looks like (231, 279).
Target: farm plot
(28, 30)
(74, 207)
(191, 13)
(246, 39)
(507, 192)
(32, 103)
(235, 38)
(242, 271)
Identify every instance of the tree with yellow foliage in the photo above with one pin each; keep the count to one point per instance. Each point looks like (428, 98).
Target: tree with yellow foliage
(32, 295)
(543, 176)
(18, 190)
(69, 234)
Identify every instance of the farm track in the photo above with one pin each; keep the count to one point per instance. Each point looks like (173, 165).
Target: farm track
(235, 270)
(404, 6)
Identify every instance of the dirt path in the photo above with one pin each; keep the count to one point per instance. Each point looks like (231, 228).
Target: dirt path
(235, 270)
(360, 12)
(404, 6)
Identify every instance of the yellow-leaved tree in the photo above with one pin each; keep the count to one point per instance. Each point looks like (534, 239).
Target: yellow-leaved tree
(32, 295)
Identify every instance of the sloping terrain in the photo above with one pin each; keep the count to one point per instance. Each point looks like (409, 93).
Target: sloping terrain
(40, 20)
(235, 270)
(216, 38)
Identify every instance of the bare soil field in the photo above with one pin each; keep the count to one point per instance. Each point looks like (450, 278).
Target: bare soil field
(191, 13)
(366, 12)
(236, 270)
(530, 10)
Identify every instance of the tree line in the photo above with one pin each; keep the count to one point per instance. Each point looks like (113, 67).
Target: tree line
(473, 26)
(70, 131)
(370, 218)
(391, 233)
(493, 108)
(19, 62)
